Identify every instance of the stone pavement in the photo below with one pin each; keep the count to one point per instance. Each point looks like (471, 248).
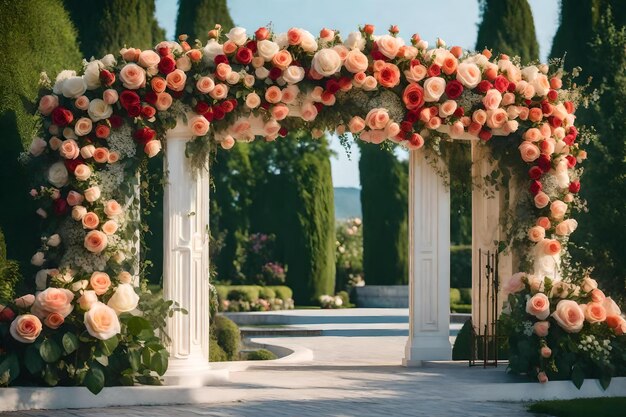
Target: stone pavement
(349, 376)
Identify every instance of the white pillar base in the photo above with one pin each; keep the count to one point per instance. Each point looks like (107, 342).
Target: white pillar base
(429, 264)
(194, 371)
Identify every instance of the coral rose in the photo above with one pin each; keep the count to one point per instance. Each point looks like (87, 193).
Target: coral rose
(100, 282)
(539, 306)
(377, 118)
(413, 96)
(133, 76)
(388, 75)
(595, 312)
(569, 316)
(541, 328)
(54, 320)
(176, 80)
(95, 241)
(199, 125)
(26, 328)
(90, 220)
(53, 300)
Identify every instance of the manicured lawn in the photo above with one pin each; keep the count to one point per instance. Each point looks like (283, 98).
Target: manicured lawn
(582, 407)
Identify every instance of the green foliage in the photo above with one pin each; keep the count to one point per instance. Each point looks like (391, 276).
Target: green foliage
(466, 295)
(196, 17)
(216, 353)
(458, 157)
(384, 201)
(37, 36)
(227, 336)
(267, 293)
(461, 266)
(507, 27)
(260, 355)
(345, 299)
(349, 254)
(107, 26)
(462, 343)
(247, 293)
(581, 407)
(9, 273)
(455, 296)
(293, 199)
(252, 292)
(460, 308)
(282, 292)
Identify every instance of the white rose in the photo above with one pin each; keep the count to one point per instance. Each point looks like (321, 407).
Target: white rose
(468, 74)
(261, 73)
(541, 84)
(530, 73)
(237, 35)
(211, 50)
(80, 285)
(562, 175)
(101, 321)
(108, 61)
(355, 41)
(293, 74)
(389, 46)
(54, 240)
(38, 259)
(74, 87)
(37, 146)
(434, 88)
(57, 174)
(92, 74)
(307, 41)
(326, 62)
(99, 110)
(282, 40)
(267, 49)
(61, 77)
(124, 299)
(41, 279)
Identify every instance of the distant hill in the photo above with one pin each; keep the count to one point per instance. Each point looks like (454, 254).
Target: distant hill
(347, 203)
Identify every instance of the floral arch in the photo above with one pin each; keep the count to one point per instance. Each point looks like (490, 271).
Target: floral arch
(82, 326)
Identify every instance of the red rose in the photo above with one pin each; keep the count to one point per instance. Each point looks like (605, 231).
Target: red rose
(571, 161)
(485, 135)
(275, 73)
(221, 59)
(234, 102)
(484, 86)
(129, 98)
(148, 112)
(62, 116)
(535, 187)
(553, 95)
(511, 87)
(377, 55)
(459, 112)
(7, 315)
(574, 186)
(412, 115)
(218, 113)
(546, 107)
(433, 71)
(251, 45)
(227, 106)
(413, 96)
(60, 206)
(166, 65)
(332, 86)
(569, 139)
(150, 97)
(368, 29)
(572, 131)
(282, 132)
(555, 121)
(535, 173)
(406, 126)
(544, 163)
(344, 82)
(454, 89)
(71, 164)
(107, 78)
(144, 135)
(327, 96)
(569, 106)
(318, 106)
(262, 34)
(102, 131)
(134, 110)
(244, 55)
(164, 51)
(116, 121)
(208, 114)
(202, 107)
(501, 83)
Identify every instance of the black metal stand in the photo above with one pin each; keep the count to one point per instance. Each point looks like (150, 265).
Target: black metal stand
(484, 335)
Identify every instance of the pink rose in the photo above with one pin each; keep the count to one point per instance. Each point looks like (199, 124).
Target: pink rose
(551, 247)
(415, 73)
(54, 320)
(101, 155)
(25, 301)
(219, 92)
(95, 241)
(53, 300)
(588, 284)
(541, 199)
(101, 321)
(597, 296)
(479, 116)
(164, 101)
(253, 100)
(90, 220)
(388, 46)
(541, 328)
(536, 233)
(539, 306)
(149, 58)
(611, 307)
(47, 104)
(280, 111)
(82, 173)
(133, 76)
(176, 80)
(273, 94)
(544, 222)
(78, 212)
(88, 298)
(514, 284)
(227, 143)
(569, 316)
(377, 118)
(595, 312)
(110, 96)
(434, 88)
(529, 151)
(205, 85)
(109, 227)
(100, 282)
(87, 151)
(92, 193)
(26, 328)
(542, 377)
(82, 103)
(558, 209)
(496, 118)
(69, 149)
(356, 124)
(199, 125)
(74, 198)
(545, 352)
(447, 108)
(152, 148)
(492, 99)
(356, 61)
(566, 227)
(533, 135)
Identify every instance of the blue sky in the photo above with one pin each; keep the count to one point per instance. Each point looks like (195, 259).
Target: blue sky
(455, 21)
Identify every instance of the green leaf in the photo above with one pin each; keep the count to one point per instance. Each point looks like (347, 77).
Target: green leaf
(50, 351)
(108, 346)
(32, 359)
(134, 358)
(10, 365)
(70, 342)
(50, 375)
(159, 362)
(94, 380)
(578, 376)
(146, 356)
(137, 324)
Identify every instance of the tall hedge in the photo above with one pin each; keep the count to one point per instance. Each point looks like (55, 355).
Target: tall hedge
(107, 26)
(293, 198)
(196, 17)
(384, 202)
(507, 27)
(36, 36)
(597, 46)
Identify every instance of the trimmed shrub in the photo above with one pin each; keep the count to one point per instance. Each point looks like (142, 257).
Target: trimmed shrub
(466, 295)
(247, 293)
(267, 293)
(345, 298)
(461, 348)
(260, 355)
(461, 308)
(216, 353)
(455, 296)
(283, 292)
(228, 336)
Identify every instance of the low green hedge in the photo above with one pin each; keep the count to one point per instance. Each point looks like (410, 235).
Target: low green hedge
(460, 308)
(252, 293)
(466, 295)
(260, 355)
(455, 296)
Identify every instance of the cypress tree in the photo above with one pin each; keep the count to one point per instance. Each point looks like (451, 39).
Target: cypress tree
(384, 202)
(597, 45)
(196, 17)
(107, 26)
(37, 36)
(507, 27)
(293, 199)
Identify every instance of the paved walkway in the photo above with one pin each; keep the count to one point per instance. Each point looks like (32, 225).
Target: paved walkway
(349, 376)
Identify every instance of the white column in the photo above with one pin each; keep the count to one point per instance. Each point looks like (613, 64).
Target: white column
(186, 264)
(429, 264)
(488, 204)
